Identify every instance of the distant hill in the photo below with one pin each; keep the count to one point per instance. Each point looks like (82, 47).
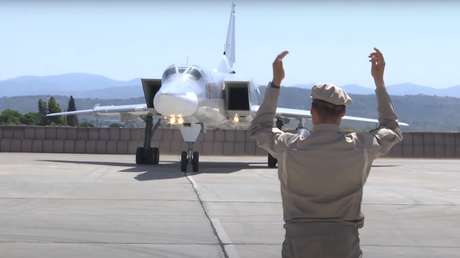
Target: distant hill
(357, 89)
(78, 84)
(423, 113)
(425, 108)
(401, 89)
(30, 103)
(95, 86)
(124, 92)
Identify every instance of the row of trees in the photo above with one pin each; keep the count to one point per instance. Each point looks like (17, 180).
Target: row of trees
(12, 117)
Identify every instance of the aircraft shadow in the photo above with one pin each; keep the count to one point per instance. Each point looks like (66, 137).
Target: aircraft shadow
(385, 166)
(169, 170)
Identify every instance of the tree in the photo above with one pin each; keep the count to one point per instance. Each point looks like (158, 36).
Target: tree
(43, 111)
(31, 118)
(53, 107)
(72, 120)
(86, 124)
(10, 117)
(115, 125)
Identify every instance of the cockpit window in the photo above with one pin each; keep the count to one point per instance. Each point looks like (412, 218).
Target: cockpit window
(192, 71)
(169, 71)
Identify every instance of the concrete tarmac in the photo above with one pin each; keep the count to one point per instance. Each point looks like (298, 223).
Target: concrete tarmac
(74, 205)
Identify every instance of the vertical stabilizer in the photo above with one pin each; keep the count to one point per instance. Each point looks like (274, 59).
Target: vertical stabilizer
(229, 51)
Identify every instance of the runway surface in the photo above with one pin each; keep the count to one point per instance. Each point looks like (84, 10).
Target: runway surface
(71, 205)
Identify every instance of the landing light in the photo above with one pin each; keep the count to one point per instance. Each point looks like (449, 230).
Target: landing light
(172, 119)
(180, 119)
(236, 118)
(175, 119)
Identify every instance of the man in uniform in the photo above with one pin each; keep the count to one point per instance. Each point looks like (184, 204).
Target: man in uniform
(322, 175)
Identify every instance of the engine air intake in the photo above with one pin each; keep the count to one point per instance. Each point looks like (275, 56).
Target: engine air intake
(150, 87)
(237, 95)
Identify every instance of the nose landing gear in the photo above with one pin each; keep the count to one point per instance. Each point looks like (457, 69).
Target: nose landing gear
(190, 135)
(192, 157)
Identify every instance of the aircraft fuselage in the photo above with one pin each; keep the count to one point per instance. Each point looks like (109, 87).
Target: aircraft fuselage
(189, 94)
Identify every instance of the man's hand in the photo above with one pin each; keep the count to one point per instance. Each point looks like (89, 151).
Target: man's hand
(278, 69)
(378, 66)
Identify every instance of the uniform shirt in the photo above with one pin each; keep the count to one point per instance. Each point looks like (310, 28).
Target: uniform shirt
(322, 175)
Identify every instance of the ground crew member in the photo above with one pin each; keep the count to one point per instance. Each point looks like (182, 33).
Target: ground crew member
(322, 175)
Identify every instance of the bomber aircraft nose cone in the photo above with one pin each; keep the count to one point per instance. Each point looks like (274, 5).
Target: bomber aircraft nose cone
(184, 104)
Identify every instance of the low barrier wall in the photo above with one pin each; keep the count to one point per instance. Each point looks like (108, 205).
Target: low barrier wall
(214, 142)
(120, 140)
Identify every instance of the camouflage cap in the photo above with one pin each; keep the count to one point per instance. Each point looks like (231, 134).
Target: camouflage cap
(330, 93)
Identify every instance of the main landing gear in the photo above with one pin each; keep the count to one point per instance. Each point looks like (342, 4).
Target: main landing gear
(190, 134)
(272, 161)
(147, 155)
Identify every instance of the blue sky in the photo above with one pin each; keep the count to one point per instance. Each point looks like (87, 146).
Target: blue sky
(328, 42)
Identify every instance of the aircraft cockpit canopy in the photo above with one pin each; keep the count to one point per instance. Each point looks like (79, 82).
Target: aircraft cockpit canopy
(193, 72)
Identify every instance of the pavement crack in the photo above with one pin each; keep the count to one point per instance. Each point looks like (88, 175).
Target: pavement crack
(205, 211)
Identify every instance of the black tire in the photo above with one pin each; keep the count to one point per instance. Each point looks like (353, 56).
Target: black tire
(140, 155)
(183, 161)
(156, 156)
(144, 156)
(196, 161)
(271, 161)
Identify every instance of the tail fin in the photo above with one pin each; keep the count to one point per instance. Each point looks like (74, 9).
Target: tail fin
(229, 51)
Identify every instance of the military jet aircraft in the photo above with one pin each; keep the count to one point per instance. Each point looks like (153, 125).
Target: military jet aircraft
(193, 99)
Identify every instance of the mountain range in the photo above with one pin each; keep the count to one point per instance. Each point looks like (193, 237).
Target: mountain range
(83, 85)
(423, 113)
(77, 84)
(401, 89)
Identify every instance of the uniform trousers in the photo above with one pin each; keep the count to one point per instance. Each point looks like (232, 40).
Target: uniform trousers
(321, 240)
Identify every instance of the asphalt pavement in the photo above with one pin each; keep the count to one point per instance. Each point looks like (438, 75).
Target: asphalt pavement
(75, 205)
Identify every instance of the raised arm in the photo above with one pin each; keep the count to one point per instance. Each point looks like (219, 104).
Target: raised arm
(267, 137)
(388, 134)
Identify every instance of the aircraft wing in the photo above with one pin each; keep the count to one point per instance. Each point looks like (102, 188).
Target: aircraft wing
(139, 109)
(299, 113)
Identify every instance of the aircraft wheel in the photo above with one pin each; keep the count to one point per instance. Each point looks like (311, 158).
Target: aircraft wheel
(196, 161)
(139, 157)
(144, 155)
(183, 161)
(156, 156)
(271, 161)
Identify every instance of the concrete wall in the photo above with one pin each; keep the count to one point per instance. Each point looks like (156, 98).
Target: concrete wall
(428, 145)
(214, 142)
(119, 140)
